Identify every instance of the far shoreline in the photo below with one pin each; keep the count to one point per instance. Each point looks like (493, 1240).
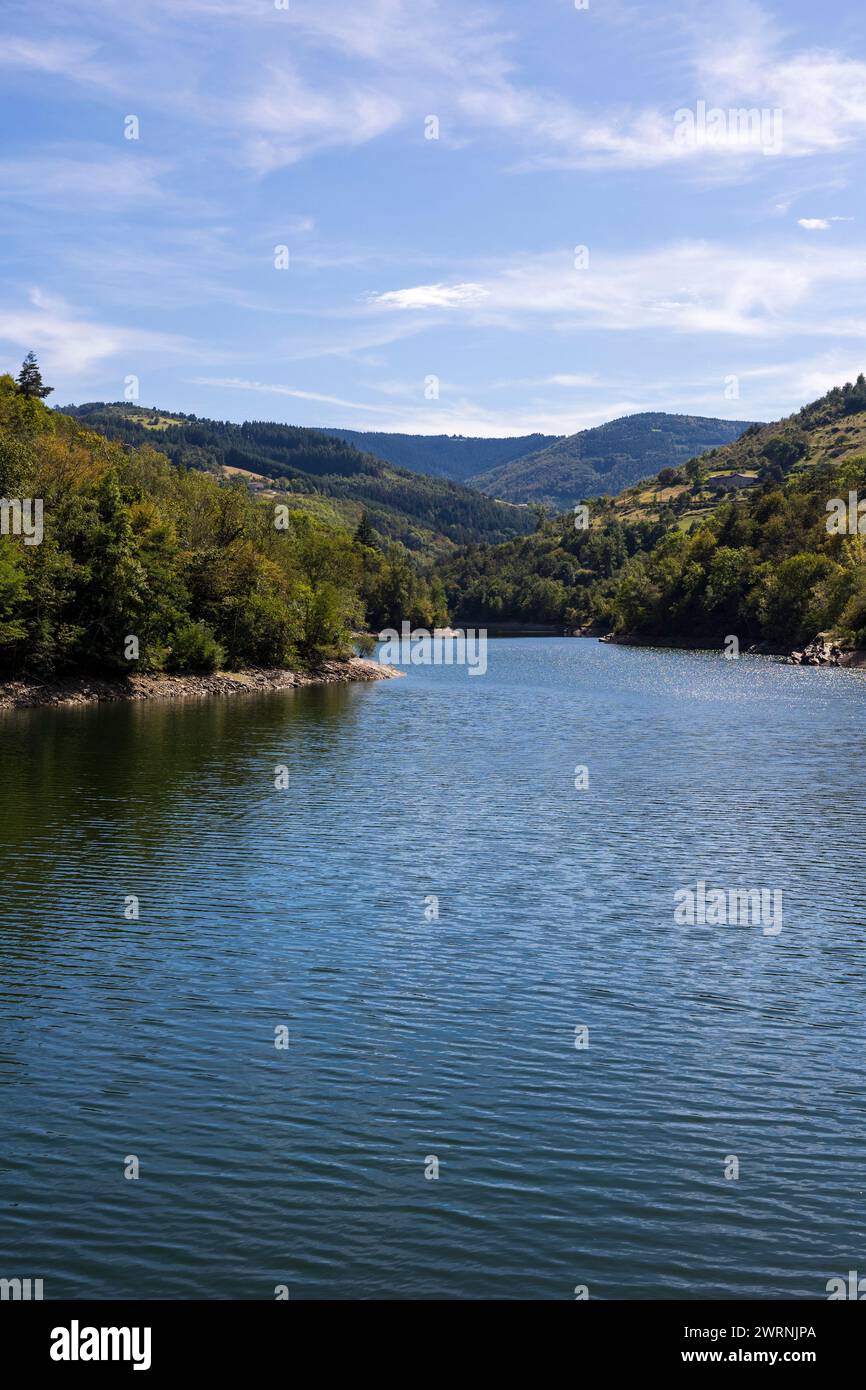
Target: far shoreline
(81, 690)
(820, 652)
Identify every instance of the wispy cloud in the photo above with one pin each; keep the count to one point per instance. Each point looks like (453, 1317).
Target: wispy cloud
(684, 287)
(272, 389)
(68, 58)
(390, 62)
(814, 99)
(456, 413)
(70, 343)
(306, 127)
(104, 179)
(285, 118)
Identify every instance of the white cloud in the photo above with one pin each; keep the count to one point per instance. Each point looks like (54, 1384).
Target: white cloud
(685, 287)
(389, 62)
(820, 224)
(808, 102)
(286, 118)
(432, 296)
(70, 344)
(267, 388)
(795, 382)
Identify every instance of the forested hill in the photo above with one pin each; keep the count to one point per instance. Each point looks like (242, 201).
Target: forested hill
(735, 542)
(454, 456)
(103, 543)
(319, 472)
(605, 459)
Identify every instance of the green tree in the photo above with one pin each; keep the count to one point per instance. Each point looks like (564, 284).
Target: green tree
(30, 382)
(13, 590)
(789, 602)
(364, 533)
(194, 648)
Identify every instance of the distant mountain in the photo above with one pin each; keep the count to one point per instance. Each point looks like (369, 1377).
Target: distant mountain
(606, 459)
(320, 472)
(453, 456)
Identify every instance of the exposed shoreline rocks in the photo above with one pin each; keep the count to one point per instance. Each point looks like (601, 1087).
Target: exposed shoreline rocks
(80, 690)
(823, 650)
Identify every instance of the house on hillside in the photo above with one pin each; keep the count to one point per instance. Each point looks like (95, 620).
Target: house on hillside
(730, 482)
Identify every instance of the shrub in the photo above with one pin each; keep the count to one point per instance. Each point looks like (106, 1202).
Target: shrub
(194, 648)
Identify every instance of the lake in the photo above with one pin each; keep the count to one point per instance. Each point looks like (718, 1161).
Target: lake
(424, 1033)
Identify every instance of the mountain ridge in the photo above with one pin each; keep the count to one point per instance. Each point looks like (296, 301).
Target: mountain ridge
(318, 472)
(555, 471)
(606, 458)
(454, 456)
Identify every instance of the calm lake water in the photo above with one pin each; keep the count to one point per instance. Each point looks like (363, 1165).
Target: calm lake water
(455, 1038)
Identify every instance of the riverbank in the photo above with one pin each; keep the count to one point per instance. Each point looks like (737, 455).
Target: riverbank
(80, 690)
(822, 651)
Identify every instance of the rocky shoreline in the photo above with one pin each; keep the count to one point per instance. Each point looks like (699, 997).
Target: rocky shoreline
(81, 690)
(822, 651)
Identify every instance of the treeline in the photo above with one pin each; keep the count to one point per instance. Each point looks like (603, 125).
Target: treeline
(763, 567)
(840, 401)
(549, 577)
(404, 506)
(277, 451)
(201, 574)
(761, 564)
(454, 456)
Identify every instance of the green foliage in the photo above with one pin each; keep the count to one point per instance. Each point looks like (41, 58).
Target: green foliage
(30, 383)
(849, 399)
(196, 569)
(553, 576)
(786, 449)
(13, 590)
(427, 515)
(760, 564)
(453, 456)
(194, 648)
(364, 533)
(393, 589)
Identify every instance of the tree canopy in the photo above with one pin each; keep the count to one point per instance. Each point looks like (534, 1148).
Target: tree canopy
(688, 568)
(196, 570)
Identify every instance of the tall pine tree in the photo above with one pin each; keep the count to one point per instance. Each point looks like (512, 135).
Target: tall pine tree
(29, 382)
(364, 533)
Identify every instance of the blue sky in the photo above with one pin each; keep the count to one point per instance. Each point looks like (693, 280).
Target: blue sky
(724, 273)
